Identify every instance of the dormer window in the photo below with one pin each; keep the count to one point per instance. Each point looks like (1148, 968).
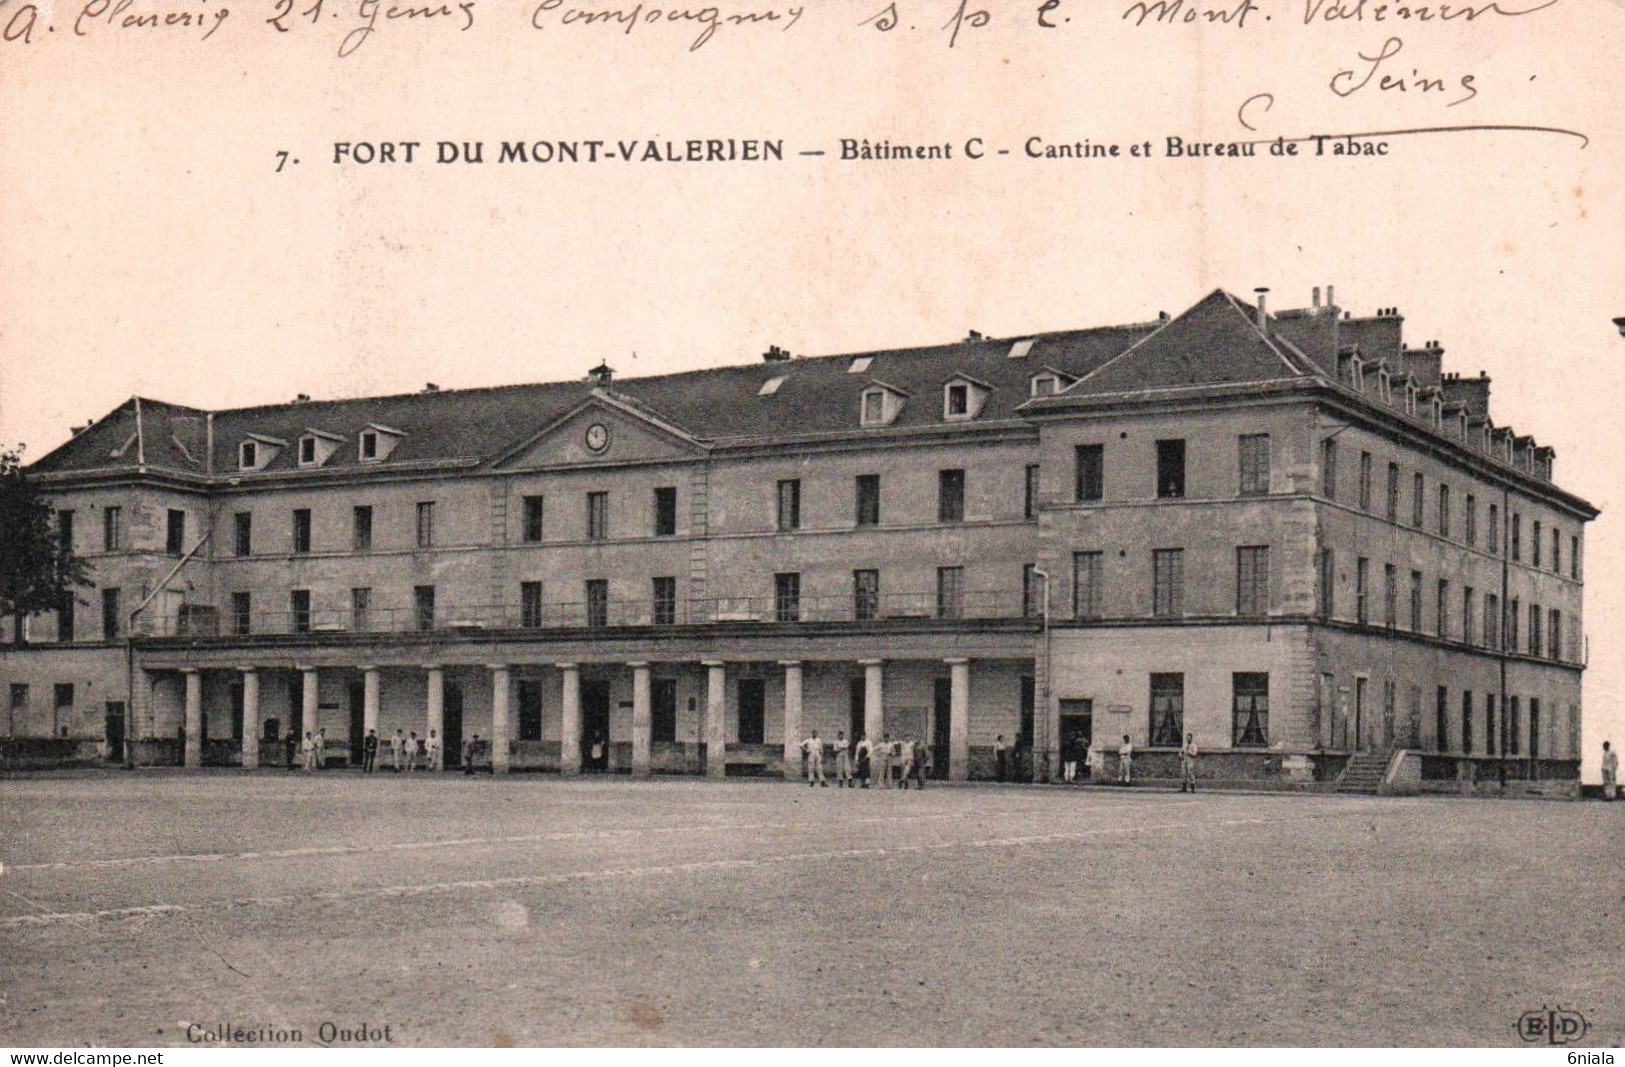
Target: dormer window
(256, 452)
(317, 447)
(369, 444)
(1438, 414)
(248, 457)
(1382, 386)
(957, 402)
(375, 442)
(307, 451)
(1357, 374)
(963, 397)
(1461, 425)
(1410, 400)
(1044, 385)
(881, 404)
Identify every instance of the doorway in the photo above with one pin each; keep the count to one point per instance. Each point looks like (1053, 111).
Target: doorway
(941, 726)
(752, 711)
(1359, 714)
(855, 718)
(1077, 731)
(451, 726)
(358, 721)
(114, 730)
(595, 725)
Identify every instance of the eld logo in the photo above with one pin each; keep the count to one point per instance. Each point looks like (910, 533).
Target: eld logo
(1554, 1026)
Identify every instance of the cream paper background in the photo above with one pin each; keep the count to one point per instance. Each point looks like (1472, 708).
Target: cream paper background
(148, 245)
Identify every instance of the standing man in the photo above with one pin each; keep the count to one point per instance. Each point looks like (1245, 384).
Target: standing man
(865, 759)
(999, 757)
(468, 753)
(881, 761)
(1125, 762)
(843, 760)
(1069, 760)
(321, 748)
(412, 751)
(308, 750)
(432, 750)
(814, 748)
(1610, 771)
(903, 753)
(918, 765)
(1187, 765)
(369, 751)
(397, 746)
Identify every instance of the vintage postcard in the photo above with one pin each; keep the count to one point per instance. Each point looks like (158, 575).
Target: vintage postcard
(811, 523)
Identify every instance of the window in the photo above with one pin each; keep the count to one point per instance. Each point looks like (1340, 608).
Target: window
(1536, 645)
(530, 604)
(951, 496)
(1534, 727)
(425, 529)
(1416, 602)
(112, 529)
(1328, 469)
(950, 592)
(1250, 709)
(1466, 721)
(1534, 543)
(307, 451)
(175, 534)
(532, 518)
(1362, 590)
(1393, 492)
(787, 597)
(1517, 537)
(1469, 612)
(663, 710)
(301, 530)
(1494, 529)
(243, 542)
(1441, 720)
(1090, 475)
(1470, 516)
(1554, 634)
(597, 516)
(65, 616)
(1032, 592)
(664, 593)
(369, 444)
(1442, 608)
(112, 616)
(868, 499)
(248, 455)
(865, 595)
(1514, 729)
(1365, 481)
(1444, 511)
(874, 407)
(790, 504)
(1086, 585)
(64, 529)
(1574, 557)
(1170, 469)
(1168, 581)
(1489, 725)
(666, 511)
(361, 610)
(956, 404)
(1168, 709)
(1390, 595)
(597, 602)
(1492, 620)
(1514, 611)
(1418, 501)
(1253, 580)
(1327, 584)
(1254, 451)
(361, 528)
(299, 610)
(1557, 551)
(423, 606)
(242, 614)
(62, 694)
(1029, 507)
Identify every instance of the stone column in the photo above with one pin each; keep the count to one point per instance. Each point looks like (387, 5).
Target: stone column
(792, 715)
(251, 718)
(310, 709)
(570, 720)
(436, 712)
(194, 716)
(501, 691)
(958, 719)
(716, 723)
(874, 714)
(641, 725)
(369, 699)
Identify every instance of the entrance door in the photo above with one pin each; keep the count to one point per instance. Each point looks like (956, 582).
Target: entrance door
(1077, 730)
(1359, 714)
(595, 725)
(855, 719)
(296, 705)
(941, 726)
(663, 710)
(358, 721)
(451, 725)
(237, 711)
(752, 711)
(115, 730)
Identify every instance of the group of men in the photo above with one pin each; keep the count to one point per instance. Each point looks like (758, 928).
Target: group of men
(856, 766)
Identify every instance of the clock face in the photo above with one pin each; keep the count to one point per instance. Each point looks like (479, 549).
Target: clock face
(598, 437)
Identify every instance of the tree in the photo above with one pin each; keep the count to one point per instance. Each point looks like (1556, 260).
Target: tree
(38, 571)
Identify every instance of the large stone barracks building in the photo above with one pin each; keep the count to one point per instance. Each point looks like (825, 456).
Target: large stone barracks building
(1290, 534)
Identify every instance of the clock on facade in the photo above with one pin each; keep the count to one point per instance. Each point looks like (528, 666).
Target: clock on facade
(597, 437)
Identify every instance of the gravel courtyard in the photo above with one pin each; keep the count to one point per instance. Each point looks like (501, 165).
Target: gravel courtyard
(147, 909)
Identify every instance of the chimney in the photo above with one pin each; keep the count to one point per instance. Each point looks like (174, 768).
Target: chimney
(430, 387)
(775, 354)
(1331, 299)
(1315, 300)
(974, 336)
(601, 374)
(1263, 314)
(302, 398)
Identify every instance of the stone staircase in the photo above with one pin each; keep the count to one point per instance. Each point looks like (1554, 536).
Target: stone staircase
(1364, 773)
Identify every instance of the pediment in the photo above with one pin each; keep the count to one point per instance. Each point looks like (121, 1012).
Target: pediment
(602, 429)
